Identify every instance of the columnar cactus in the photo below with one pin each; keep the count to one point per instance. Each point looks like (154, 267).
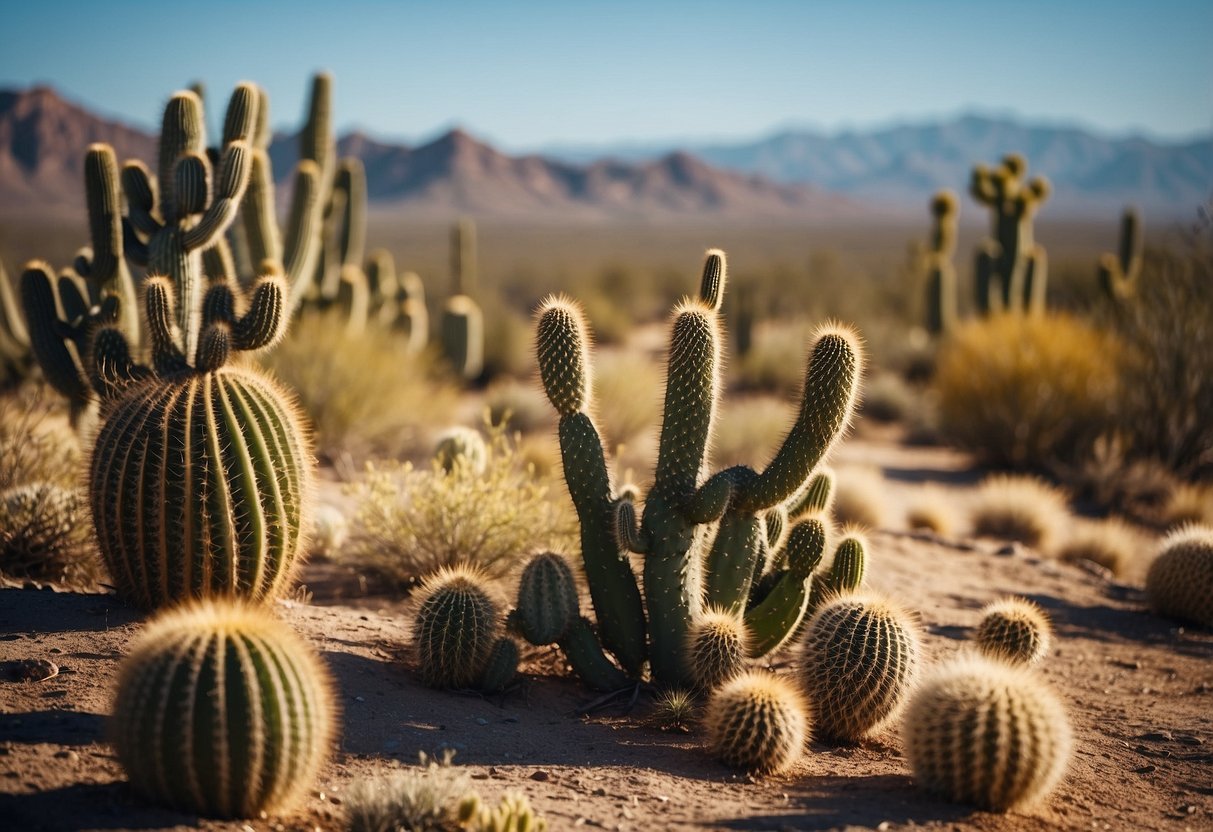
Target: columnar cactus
(757, 722)
(983, 732)
(1180, 581)
(457, 627)
(222, 710)
(462, 327)
(681, 501)
(1120, 273)
(1012, 269)
(15, 356)
(1014, 630)
(62, 315)
(858, 662)
(412, 318)
(941, 274)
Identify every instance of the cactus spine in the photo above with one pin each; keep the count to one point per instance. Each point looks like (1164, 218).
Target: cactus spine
(1014, 630)
(982, 732)
(941, 274)
(1120, 273)
(1180, 581)
(462, 327)
(680, 501)
(457, 627)
(1012, 270)
(222, 710)
(858, 662)
(757, 722)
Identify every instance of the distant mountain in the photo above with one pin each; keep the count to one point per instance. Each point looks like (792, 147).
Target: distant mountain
(43, 139)
(905, 164)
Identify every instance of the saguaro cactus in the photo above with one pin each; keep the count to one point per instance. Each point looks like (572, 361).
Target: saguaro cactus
(462, 328)
(1011, 269)
(222, 710)
(941, 274)
(1120, 273)
(680, 501)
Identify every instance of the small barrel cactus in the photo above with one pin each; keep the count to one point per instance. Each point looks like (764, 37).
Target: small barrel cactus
(501, 666)
(456, 628)
(461, 446)
(547, 600)
(1180, 581)
(1014, 630)
(984, 732)
(757, 722)
(859, 660)
(717, 644)
(222, 710)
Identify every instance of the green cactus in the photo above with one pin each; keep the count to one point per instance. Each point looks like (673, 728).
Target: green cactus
(718, 648)
(501, 666)
(547, 600)
(222, 710)
(1012, 270)
(461, 330)
(1014, 630)
(846, 572)
(757, 722)
(680, 572)
(412, 318)
(461, 446)
(512, 814)
(941, 274)
(858, 662)
(1120, 273)
(1179, 583)
(816, 498)
(983, 732)
(16, 359)
(464, 261)
(456, 628)
(61, 318)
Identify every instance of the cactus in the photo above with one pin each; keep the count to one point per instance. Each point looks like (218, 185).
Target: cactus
(757, 722)
(547, 600)
(461, 446)
(61, 318)
(983, 732)
(785, 598)
(846, 572)
(464, 262)
(222, 710)
(16, 360)
(858, 662)
(1179, 583)
(816, 497)
(462, 327)
(1120, 273)
(501, 666)
(1012, 269)
(941, 274)
(681, 502)
(512, 814)
(1014, 630)
(456, 628)
(412, 318)
(717, 645)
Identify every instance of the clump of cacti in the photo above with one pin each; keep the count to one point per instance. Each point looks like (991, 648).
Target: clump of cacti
(461, 446)
(983, 732)
(757, 722)
(462, 328)
(457, 629)
(200, 473)
(940, 273)
(397, 301)
(222, 710)
(858, 662)
(1179, 583)
(1120, 273)
(683, 571)
(717, 644)
(1011, 269)
(1014, 630)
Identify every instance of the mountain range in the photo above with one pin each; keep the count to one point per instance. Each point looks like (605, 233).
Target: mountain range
(794, 176)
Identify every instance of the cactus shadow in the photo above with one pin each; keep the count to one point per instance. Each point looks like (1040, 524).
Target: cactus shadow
(86, 806)
(43, 611)
(1111, 624)
(58, 727)
(834, 802)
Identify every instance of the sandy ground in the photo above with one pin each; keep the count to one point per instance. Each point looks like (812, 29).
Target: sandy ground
(1139, 691)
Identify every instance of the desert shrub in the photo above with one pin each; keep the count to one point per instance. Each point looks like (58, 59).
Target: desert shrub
(859, 498)
(1020, 508)
(434, 797)
(364, 395)
(1028, 392)
(412, 521)
(36, 442)
(45, 534)
(930, 510)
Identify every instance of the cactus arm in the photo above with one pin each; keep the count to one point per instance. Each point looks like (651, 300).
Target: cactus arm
(167, 357)
(14, 337)
(49, 334)
(351, 243)
(354, 300)
(301, 248)
(136, 249)
(831, 383)
(585, 654)
(111, 369)
(715, 277)
(229, 189)
(1036, 279)
(265, 322)
(711, 499)
(316, 143)
(257, 212)
(773, 620)
(627, 529)
(182, 132)
(141, 198)
(73, 302)
(735, 551)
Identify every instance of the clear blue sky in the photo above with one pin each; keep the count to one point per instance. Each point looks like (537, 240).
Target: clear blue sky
(530, 74)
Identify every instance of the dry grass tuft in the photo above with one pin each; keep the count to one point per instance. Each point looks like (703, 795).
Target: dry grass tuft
(860, 498)
(1020, 508)
(1112, 543)
(930, 510)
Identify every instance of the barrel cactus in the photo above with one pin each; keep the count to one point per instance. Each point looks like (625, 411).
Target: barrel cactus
(1180, 580)
(858, 662)
(757, 722)
(983, 732)
(717, 644)
(222, 710)
(456, 628)
(1014, 630)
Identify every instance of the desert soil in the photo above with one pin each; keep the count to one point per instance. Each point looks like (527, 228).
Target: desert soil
(1139, 690)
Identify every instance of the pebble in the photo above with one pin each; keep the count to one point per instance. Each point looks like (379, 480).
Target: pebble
(541, 776)
(481, 721)
(66, 754)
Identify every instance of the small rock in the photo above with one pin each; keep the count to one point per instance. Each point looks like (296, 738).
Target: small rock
(1155, 736)
(541, 776)
(67, 754)
(1008, 550)
(1145, 769)
(599, 792)
(481, 721)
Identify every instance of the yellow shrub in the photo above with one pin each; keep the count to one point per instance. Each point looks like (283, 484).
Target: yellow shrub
(1028, 391)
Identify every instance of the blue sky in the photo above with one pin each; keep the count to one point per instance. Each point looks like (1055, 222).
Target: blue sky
(532, 74)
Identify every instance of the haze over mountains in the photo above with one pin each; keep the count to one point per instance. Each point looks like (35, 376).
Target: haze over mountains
(794, 176)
